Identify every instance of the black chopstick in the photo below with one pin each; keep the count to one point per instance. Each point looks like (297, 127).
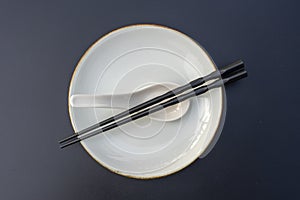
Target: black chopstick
(224, 71)
(200, 90)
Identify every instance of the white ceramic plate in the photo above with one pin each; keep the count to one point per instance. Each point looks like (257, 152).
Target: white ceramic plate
(125, 60)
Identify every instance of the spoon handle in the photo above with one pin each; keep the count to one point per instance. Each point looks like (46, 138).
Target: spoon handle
(99, 101)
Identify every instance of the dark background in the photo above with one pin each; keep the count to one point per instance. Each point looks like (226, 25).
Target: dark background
(257, 156)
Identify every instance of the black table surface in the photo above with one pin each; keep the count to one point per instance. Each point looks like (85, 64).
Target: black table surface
(257, 156)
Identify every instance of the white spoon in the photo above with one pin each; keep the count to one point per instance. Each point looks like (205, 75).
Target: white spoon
(128, 100)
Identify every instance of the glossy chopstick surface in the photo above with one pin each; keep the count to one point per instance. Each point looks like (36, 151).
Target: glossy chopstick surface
(230, 73)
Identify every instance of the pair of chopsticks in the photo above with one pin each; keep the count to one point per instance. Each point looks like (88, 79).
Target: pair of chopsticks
(225, 75)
